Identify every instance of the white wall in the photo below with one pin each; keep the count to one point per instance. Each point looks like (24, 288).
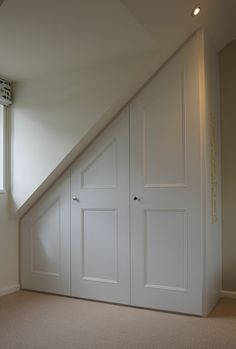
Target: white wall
(8, 246)
(53, 114)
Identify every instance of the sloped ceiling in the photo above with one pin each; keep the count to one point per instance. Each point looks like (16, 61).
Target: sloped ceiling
(76, 63)
(40, 37)
(170, 22)
(49, 36)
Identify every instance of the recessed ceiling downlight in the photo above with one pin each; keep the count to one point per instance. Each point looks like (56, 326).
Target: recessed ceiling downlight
(196, 11)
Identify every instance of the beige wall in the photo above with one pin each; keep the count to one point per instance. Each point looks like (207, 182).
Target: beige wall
(228, 131)
(8, 246)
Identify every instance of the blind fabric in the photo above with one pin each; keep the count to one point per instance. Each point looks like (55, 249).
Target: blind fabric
(2, 147)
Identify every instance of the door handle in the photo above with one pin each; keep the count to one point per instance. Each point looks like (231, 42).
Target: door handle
(136, 198)
(75, 198)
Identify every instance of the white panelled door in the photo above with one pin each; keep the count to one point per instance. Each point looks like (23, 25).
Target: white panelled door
(45, 241)
(100, 264)
(166, 255)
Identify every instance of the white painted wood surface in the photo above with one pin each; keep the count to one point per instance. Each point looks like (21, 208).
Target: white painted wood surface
(8, 290)
(166, 250)
(45, 241)
(100, 265)
(87, 236)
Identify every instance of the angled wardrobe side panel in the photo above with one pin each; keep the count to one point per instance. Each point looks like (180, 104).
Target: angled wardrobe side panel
(45, 241)
(211, 120)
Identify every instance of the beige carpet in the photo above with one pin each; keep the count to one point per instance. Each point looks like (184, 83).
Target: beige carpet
(31, 320)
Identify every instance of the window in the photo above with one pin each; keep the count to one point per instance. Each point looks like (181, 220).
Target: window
(2, 148)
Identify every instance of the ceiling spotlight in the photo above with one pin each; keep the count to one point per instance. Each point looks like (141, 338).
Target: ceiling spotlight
(196, 11)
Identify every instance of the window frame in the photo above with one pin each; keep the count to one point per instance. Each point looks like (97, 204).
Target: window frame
(5, 150)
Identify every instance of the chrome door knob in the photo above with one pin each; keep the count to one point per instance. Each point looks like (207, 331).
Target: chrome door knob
(75, 198)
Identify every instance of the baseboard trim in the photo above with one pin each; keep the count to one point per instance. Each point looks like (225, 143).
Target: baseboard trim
(228, 294)
(8, 290)
(15, 288)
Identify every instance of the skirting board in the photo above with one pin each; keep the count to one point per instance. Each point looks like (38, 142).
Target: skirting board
(8, 290)
(228, 294)
(15, 288)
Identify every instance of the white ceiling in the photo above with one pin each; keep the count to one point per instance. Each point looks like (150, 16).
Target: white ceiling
(48, 36)
(170, 20)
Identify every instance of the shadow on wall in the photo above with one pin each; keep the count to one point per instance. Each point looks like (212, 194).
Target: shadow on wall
(228, 147)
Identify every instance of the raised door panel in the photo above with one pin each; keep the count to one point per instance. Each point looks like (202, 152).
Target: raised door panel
(45, 241)
(168, 229)
(45, 236)
(99, 249)
(164, 133)
(165, 157)
(100, 217)
(101, 171)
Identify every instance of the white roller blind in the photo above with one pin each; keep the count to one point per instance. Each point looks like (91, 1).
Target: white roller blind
(2, 184)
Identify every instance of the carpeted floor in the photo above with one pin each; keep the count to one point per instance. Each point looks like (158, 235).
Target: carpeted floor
(30, 320)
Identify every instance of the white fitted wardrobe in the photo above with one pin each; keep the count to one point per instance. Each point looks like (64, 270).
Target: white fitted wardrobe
(132, 220)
